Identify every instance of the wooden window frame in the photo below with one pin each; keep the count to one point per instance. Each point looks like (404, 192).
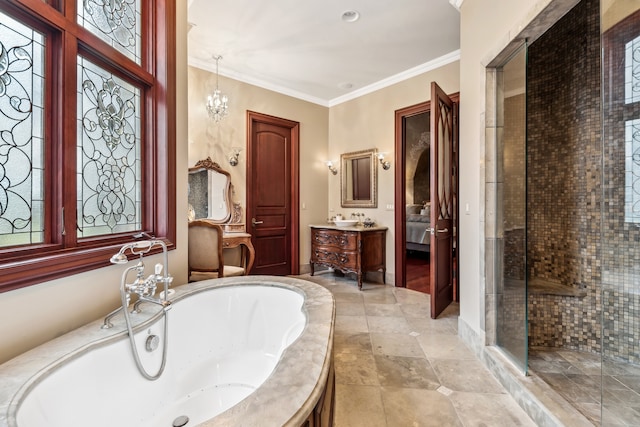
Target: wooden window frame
(64, 254)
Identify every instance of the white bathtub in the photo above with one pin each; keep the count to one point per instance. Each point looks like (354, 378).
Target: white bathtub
(242, 339)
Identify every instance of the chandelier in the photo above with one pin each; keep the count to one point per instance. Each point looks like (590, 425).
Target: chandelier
(217, 103)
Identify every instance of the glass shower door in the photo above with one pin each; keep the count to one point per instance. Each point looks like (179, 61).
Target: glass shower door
(620, 230)
(511, 303)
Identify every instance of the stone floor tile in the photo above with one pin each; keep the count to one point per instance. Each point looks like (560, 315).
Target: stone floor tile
(388, 310)
(395, 345)
(355, 369)
(409, 372)
(359, 406)
(350, 324)
(350, 308)
(465, 375)
(486, 409)
(419, 310)
(356, 343)
(379, 296)
(418, 408)
(347, 297)
(388, 324)
(430, 326)
(444, 347)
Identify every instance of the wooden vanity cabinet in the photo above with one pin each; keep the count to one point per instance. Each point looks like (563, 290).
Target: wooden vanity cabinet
(349, 249)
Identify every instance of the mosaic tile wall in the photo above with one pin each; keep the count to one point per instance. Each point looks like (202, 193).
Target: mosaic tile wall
(564, 192)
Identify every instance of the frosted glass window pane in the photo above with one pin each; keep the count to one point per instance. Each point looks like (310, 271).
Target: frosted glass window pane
(21, 159)
(109, 148)
(117, 23)
(632, 171)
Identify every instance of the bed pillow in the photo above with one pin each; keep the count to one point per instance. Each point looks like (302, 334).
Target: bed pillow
(413, 209)
(418, 218)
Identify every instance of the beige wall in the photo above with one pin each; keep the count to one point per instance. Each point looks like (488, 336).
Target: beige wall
(614, 11)
(36, 314)
(325, 133)
(210, 139)
(368, 122)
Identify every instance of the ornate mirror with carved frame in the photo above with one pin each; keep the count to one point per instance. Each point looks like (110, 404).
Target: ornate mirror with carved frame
(210, 192)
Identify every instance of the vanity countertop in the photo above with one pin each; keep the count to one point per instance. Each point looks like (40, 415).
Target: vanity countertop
(349, 228)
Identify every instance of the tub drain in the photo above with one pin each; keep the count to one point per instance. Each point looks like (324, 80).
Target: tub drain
(181, 421)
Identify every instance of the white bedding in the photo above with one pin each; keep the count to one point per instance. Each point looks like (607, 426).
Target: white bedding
(418, 231)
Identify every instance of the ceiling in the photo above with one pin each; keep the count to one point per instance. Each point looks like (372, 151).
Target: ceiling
(306, 50)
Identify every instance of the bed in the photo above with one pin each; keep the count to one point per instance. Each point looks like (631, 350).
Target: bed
(417, 228)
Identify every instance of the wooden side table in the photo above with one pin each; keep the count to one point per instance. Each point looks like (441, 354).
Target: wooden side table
(233, 240)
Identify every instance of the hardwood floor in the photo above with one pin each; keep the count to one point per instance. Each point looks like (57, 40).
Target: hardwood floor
(417, 276)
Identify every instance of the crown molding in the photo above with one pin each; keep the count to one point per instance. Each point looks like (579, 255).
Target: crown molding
(400, 77)
(205, 65)
(405, 75)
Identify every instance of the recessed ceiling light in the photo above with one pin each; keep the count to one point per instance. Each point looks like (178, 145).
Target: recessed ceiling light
(345, 85)
(350, 16)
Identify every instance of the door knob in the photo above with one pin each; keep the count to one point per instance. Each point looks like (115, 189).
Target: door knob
(254, 222)
(444, 230)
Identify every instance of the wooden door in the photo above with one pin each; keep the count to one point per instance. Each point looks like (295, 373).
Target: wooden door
(442, 200)
(273, 193)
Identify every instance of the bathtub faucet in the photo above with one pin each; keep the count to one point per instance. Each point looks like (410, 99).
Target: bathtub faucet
(144, 288)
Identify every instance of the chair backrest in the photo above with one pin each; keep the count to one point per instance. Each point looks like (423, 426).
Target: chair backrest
(205, 247)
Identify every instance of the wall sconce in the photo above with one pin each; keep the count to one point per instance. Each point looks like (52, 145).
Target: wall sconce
(233, 157)
(385, 165)
(332, 168)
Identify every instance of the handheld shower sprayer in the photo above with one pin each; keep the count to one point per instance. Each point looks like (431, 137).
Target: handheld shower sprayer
(136, 248)
(144, 288)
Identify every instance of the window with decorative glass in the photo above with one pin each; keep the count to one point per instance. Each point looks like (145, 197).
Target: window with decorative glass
(632, 131)
(87, 132)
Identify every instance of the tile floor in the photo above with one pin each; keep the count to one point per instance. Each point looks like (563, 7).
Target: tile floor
(397, 367)
(582, 381)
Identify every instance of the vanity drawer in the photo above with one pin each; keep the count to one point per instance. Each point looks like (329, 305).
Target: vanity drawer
(335, 238)
(337, 259)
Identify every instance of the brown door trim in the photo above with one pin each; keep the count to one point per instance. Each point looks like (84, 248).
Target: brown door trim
(400, 189)
(400, 199)
(294, 158)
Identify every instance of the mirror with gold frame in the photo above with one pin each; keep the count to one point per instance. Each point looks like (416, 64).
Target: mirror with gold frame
(210, 191)
(359, 179)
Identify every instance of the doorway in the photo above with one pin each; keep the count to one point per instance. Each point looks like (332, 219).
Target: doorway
(412, 141)
(413, 192)
(273, 193)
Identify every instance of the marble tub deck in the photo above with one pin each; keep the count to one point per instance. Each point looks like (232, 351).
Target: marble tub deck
(395, 366)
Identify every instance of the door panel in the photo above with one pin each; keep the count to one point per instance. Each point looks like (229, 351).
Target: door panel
(272, 193)
(442, 206)
(512, 333)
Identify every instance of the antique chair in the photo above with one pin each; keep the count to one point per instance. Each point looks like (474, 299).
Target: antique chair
(205, 257)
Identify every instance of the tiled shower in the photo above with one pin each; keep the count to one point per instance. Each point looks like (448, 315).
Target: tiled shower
(570, 214)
